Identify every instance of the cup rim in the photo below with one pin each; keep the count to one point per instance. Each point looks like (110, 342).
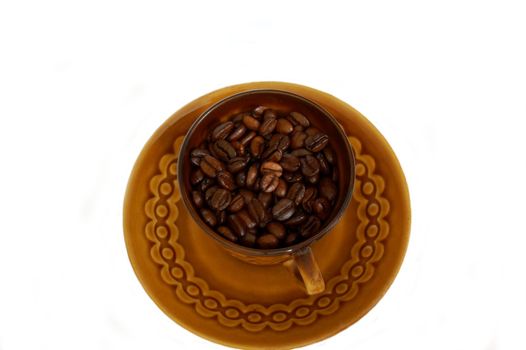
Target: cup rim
(256, 251)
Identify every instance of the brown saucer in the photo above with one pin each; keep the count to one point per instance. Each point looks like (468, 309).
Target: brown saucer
(234, 303)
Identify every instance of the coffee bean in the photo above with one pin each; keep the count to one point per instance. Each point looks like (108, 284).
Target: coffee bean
(300, 152)
(238, 117)
(247, 138)
(241, 179)
(247, 195)
(309, 166)
(269, 114)
(227, 233)
(284, 126)
(316, 142)
(283, 209)
(206, 184)
(328, 189)
(281, 189)
(325, 168)
(312, 131)
(249, 239)
(256, 146)
(321, 207)
(226, 180)
(237, 203)
(256, 210)
(238, 132)
(197, 154)
(237, 225)
(251, 122)
(208, 217)
(265, 198)
(290, 162)
(222, 130)
(247, 219)
(292, 177)
(296, 193)
(275, 156)
(297, 139)
(267, 241)
(211, 166)
(298, 119)
(196, 176)
(259, 110)
(271, 168)
(278, 141)
(237, 164)
(329, 154)
(267, 126)
(277, 229)
(308, 198)
(297, 219)
(239, 147)
(291, 238)
(224, 150)
(220, 199)
(210, 192)
(310, 227)
(269, 182)
(197, 198)
(221, 217)
(314, 179)
(252, 175)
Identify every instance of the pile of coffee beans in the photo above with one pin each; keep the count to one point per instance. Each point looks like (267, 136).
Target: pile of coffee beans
(264, 179)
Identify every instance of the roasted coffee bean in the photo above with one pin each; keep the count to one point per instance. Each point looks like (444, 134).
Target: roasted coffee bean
(298, 218)
(220, 199)
(257, 185)
(269, 114)
(238, 117)
(312, 131)
(237, 203)
(275, 156)
(239, 147)
(247, 195)
(297, 139)
(316, 142)
(310, 194)
(206, 184)
(314, 179)
(271, 168)
(247, 219)
(300, 152)
(241, 179)
(310, 227)
(259, 110)
(197, 154)
(210, 192)
(281, 190)
(224, 150)
(211, 166)
(292, 177)
(256, 210)
(221, 217)
(298, 128)
(265, 198)
(291, 238)
(237, 164)
(309, 166)
(237, 225)
(283, 209)
(325, 168)
(247, 138)
(269, 182)
(277, 229)
(251, 122)
(252, 175)
(197, 198)
(226, 180)
(284, 126)
(296, 193)
(267, 241)
(237, 133)
(279, 141)
(249, 239)
(208, 217)
(321, 207)
(290, 162)
(328, 189)
(256, 146)
(267, 126)
(222, 130)
(227, 233)
(298, 119)
(329, 154)
(196, 176)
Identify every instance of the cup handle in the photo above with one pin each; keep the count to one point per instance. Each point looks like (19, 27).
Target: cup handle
(309, 271)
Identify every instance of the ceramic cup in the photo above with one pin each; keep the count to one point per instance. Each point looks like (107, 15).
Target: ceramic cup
(298, 258)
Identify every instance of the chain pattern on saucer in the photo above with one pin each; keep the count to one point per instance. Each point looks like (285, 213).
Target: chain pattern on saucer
(169, 255)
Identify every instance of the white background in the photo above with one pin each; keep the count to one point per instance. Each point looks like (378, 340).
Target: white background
(84, 84)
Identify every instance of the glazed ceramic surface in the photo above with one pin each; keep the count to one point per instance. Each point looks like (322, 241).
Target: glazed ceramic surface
(211, 293)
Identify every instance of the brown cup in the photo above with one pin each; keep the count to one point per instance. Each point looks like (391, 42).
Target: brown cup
(298, 257)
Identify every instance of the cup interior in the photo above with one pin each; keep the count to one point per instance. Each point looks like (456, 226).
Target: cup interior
(283, 102)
